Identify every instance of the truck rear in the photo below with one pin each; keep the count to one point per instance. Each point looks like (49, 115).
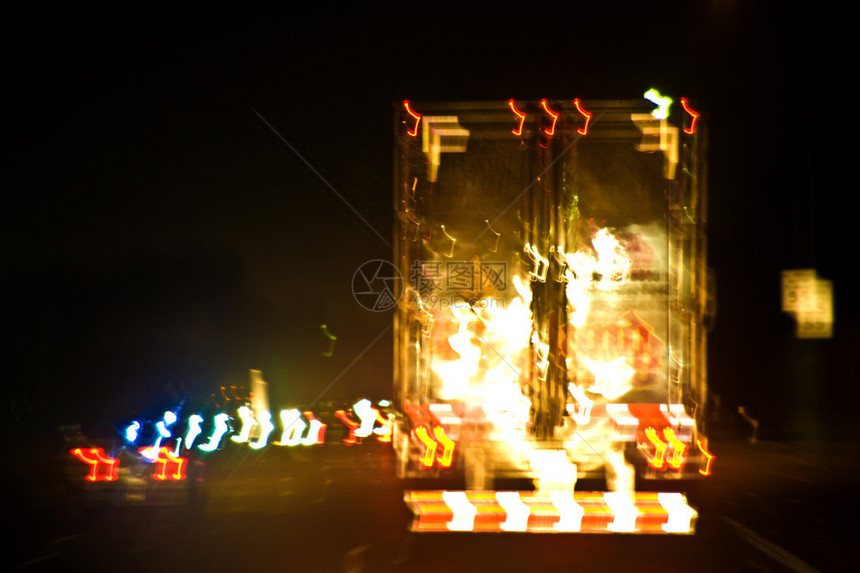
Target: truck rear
(553, 326)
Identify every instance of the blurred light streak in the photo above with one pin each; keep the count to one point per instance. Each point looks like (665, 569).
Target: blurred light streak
(368, 416)
(554, 115)
(542, 351)
(586, 114)
(498, 236)
(384, 431)
(293, 427)
(427, 458)
(679, 449)
(351, 424)
(662, 103)
(332, 339)
(316, 431)
(165, 461)
(97, 459)
(168, 420)
(680, 514)
(582, 412)
(706, 471)
(694, 116)
(266, 427)
(131, 432)
(447, 456)
(464, 512)
(414, 131)
(220, 428)
(611, 378)
(623, 509)
(248, 422)
(658, 459)
(541, 263)
(570, 513)
(194, 430)
(555, 512)
(516, 511)
(450, 238)
(520, 115)
(660, 137)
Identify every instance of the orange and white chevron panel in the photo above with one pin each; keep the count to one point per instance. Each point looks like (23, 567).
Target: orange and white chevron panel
(554, 512)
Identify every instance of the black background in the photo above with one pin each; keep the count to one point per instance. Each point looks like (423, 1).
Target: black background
(159, 237)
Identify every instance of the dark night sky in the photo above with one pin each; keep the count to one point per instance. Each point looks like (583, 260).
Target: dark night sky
(160, 235)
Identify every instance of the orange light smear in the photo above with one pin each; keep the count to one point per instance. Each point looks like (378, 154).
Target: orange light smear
(351, 424)
(692, 129)
(586, 114)
(446, 459)
(710, 456)
(414, 131)
(96, 457)
(679, 449)
(426, 459)
(164, 460)
(550, 132)
(658, 460)
(519, 114)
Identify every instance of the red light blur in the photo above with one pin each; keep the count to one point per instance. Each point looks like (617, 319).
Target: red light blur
(692, 129)
(551, 131)
(586, 114)
(96, 458)
(519, 114)
(343, 416)
(166, 460)
(706, 471)
(414, 131)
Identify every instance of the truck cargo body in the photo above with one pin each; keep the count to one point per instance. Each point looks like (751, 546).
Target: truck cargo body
(552, 326)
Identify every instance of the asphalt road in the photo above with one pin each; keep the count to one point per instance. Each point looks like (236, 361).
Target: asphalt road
(768, 507)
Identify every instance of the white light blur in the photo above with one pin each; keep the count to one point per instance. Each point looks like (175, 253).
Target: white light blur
(517, 512)
(463, 510)
(570, 513)
(680, 514)
(194, 430)
(248, 423)
(266, 426)
(624, 511)
(220, 428)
